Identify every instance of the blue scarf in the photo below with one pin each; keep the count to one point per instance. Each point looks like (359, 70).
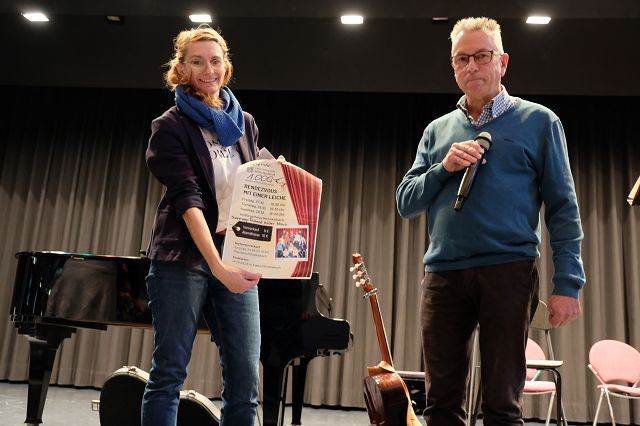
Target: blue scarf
(227, 122)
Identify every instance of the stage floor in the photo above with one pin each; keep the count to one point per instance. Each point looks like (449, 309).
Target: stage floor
(68, 406)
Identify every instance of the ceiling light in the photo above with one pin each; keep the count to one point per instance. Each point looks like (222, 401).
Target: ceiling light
(115, 19)
(538, 20)
(205, 18)
(352, 19)
(439, 19)
(36, 17)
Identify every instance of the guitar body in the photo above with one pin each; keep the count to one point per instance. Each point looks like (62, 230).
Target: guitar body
(386, 398)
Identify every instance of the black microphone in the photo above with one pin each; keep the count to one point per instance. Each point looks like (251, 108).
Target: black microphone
(484, 139)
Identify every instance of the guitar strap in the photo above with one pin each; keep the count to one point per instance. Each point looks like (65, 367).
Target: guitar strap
(412, 420)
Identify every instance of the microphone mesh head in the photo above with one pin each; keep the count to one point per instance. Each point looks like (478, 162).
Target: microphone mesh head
(484, 139)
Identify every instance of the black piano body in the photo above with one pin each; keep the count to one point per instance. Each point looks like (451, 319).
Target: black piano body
(56, 292)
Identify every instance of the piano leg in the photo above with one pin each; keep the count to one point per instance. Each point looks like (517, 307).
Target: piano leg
(299, 377)
(272, 387)
(43, 354)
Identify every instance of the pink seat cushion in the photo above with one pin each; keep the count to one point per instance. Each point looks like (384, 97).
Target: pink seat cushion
(539, 386)
(626, 390)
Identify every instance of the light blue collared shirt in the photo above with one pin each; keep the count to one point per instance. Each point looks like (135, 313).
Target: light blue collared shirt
(497, 106)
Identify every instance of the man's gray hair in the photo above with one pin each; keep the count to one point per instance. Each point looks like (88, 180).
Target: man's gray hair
(488, 25)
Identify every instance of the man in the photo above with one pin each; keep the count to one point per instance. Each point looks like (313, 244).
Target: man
(480, 264)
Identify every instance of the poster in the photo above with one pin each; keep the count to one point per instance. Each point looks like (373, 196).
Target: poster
(273, 220)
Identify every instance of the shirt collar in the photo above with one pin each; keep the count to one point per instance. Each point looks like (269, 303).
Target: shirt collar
(494, 108)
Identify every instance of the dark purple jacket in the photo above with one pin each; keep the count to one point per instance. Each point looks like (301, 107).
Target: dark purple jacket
(178, 157)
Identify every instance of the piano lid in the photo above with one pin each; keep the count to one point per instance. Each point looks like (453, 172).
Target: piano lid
(93, 291)
(82, 290)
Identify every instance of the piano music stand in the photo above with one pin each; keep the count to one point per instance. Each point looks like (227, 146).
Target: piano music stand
(634, 196)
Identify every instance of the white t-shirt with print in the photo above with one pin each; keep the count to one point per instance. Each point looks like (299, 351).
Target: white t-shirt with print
(226, 161)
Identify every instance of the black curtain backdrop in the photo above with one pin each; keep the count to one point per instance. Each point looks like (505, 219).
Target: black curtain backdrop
(73, 178)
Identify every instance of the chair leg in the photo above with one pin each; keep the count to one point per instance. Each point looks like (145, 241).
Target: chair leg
(595, 419)
(476, 406)
(471, 394)
(613, 420)
(553, 394)
(474, 387)
(471, 398)
(560, 416)
(565, 422)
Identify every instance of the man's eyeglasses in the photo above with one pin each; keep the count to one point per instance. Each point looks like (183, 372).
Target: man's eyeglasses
(201, 64)
(483, 57)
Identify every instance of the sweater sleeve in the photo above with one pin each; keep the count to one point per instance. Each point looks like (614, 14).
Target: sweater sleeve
(561, 213)
(422, 182)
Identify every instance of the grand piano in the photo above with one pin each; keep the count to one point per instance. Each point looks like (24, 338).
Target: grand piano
(55, 293)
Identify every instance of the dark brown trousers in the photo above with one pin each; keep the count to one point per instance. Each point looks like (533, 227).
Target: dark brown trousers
(502, 300)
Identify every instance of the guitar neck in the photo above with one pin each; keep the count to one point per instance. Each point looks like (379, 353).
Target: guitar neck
(380, 331)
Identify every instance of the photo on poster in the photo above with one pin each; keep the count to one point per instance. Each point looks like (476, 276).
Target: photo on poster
(291, 243)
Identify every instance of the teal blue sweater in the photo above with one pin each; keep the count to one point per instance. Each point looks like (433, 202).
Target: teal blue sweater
(527, 165)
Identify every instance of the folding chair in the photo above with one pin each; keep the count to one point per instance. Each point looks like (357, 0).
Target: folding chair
(541, 322)
(533, 386)
(610, 361)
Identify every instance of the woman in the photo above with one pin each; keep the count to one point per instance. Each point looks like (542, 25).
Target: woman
(194, 151)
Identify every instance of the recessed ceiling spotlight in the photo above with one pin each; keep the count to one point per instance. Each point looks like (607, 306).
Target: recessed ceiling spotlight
(352, 19)
(538, 20)
(36, 16)
(201, 18)
(114, 19)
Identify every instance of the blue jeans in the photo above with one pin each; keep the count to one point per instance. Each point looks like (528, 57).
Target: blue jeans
(178, 295)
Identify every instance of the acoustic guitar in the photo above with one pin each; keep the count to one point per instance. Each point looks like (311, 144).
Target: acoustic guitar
(385, 393)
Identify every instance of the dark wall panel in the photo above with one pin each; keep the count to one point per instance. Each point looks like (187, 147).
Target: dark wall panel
(567, 57)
